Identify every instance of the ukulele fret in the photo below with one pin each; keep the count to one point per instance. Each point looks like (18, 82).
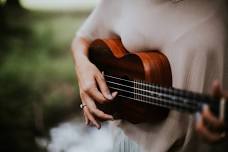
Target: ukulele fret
(140, 92)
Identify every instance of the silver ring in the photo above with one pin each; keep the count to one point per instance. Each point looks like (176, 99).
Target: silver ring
(82, 105)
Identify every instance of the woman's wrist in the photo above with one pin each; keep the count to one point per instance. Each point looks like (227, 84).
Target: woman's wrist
(80, 51)
(81, 59)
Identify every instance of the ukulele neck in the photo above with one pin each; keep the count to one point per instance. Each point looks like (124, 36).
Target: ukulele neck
(167, 97)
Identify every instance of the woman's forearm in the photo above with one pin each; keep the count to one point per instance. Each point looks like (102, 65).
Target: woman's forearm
(91, 82)
(79, 50)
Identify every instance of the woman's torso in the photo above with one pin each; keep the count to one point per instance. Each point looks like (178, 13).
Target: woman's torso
(191, 33)
(155, 24)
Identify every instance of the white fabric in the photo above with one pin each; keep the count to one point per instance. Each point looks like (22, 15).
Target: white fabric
(191, 33)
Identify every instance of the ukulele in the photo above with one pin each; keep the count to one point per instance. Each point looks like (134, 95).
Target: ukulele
(143, 81)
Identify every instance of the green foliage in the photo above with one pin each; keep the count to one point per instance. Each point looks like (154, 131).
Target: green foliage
(2, 2)
(37, 76)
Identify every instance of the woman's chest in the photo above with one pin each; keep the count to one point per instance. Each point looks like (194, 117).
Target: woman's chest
(146, 26)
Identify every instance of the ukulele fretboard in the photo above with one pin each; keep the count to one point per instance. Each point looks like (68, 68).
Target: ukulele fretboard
(168, 97)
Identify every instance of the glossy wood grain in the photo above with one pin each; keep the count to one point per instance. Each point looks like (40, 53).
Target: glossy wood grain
(111, 57)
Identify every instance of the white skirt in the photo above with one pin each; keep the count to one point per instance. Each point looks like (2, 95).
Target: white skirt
(123, 144)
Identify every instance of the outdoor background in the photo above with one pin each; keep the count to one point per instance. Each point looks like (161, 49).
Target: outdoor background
(39, 100)
(38, 88)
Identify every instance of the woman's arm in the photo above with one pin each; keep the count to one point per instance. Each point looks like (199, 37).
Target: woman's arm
(90, 80)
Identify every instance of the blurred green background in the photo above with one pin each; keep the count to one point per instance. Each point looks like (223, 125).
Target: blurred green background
(38, 88)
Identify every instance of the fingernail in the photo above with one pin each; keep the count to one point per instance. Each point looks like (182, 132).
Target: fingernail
(114, 94)
(109, 116)
(205, 107)
(197, 117)
(109, 96)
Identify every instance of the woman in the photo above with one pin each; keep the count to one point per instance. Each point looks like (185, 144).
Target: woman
(191, 33)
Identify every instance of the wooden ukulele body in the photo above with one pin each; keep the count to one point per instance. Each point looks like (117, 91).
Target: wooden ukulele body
(112, 58)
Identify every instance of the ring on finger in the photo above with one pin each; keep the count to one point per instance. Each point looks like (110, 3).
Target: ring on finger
(82, 105)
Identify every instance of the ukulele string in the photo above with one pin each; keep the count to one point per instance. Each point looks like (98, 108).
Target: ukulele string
(160, 95)
(193, 109)
(142, 84)
(185, 102)
(162, 89)
(166, 102)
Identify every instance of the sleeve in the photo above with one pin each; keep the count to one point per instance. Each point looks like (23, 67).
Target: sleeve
(99, 23)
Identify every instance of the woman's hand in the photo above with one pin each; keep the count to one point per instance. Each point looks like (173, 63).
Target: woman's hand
(92, 85)
(208, 126)
(90, 79)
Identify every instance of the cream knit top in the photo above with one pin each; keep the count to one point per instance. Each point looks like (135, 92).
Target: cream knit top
(191, 33)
